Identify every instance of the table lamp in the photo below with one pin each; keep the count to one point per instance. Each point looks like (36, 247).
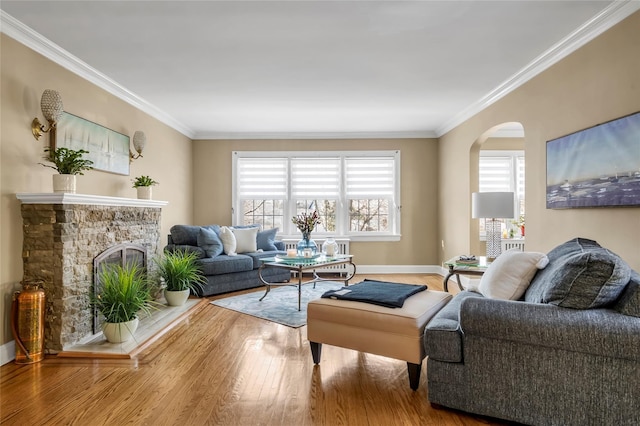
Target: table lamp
(492, 206)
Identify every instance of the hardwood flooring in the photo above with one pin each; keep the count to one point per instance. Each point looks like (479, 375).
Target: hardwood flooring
(220, 367)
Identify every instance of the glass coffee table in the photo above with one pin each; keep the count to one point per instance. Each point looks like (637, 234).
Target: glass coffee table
(457, 268)
(306, 264)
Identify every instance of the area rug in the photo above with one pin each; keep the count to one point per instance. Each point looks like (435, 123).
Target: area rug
(280, 305)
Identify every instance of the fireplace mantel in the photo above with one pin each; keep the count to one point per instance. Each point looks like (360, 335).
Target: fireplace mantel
(96, 200)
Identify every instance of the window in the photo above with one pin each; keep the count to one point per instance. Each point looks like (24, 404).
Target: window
(355, 193)
(503, 171)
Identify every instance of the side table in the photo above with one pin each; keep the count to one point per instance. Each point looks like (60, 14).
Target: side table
(457, 268)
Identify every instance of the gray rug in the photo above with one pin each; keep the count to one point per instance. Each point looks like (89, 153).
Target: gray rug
(280, 305)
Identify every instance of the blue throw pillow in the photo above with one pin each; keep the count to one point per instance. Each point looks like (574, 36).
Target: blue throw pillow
(209, 240)
(629, 302)
(266, 240)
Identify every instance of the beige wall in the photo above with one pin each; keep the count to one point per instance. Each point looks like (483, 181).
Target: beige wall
(24, 75)
(418, 245)
(599, 82)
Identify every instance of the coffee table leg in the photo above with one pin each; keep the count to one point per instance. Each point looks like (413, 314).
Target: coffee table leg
(264, 282)
(300, 289)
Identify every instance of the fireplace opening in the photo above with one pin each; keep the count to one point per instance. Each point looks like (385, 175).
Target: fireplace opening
(121, 254)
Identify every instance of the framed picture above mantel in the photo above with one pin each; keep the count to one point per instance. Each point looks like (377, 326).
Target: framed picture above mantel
(108, 149)
(596, 167)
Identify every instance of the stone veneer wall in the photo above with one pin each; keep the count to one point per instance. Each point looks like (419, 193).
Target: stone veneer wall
(60, 243)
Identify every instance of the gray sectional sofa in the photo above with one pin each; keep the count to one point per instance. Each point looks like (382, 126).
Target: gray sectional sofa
(566, 353)
(226, 273)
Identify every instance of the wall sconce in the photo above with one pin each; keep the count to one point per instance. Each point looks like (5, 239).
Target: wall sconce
(139, 141)
(51, 106)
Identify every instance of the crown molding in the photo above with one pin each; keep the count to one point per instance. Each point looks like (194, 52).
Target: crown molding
(314, 135)
(607, 18)
(35, 41)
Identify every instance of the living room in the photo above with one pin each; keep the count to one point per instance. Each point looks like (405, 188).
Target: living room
(598, 82)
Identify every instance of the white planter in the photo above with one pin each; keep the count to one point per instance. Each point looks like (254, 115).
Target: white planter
(119, 332)
(144, 192)
(176, 298)
(64, 183)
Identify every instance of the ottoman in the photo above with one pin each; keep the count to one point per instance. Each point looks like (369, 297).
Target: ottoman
(365, 327)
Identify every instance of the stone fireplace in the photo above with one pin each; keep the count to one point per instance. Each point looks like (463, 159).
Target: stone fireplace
(63, 234)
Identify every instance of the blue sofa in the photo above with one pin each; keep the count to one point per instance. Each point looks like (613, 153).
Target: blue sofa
(226, 273)
(566, 353)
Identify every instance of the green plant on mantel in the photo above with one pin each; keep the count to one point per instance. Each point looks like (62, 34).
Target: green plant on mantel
(143, 181)
(67, 161)
(123, 292)
(180, 271)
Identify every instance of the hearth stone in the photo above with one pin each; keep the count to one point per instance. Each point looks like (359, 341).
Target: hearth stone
(60, 243)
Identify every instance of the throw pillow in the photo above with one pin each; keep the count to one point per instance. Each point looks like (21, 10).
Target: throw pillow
(629, 302)
(266, 240)
(228, 241)
(209, 241)
(581, 275)
(245, 239)
(508, 277)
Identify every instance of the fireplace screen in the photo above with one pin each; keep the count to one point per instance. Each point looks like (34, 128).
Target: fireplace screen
(122, 254)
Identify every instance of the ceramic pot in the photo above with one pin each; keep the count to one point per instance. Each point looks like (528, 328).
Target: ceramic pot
(119, 332)
(144, 192)
(176, 298)
(64, 183)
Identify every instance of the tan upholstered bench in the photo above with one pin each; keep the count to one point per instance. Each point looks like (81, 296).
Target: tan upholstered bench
(392, 332)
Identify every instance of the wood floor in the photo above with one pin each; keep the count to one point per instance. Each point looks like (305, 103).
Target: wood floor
(220, 367)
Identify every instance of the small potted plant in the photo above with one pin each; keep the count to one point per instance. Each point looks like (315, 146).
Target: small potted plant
(143, 185)
(122, 293)
(181, 275)
(68, 163)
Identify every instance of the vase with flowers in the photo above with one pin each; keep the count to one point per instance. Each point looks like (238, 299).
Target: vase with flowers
(306, 222)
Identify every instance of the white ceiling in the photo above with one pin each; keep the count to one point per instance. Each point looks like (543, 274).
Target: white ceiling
(265, 69)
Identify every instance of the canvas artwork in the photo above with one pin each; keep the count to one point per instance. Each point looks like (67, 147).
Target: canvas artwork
(596, 167)
(108, 149)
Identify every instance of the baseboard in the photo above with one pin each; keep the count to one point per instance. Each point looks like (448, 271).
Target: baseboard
(7, 352)
(400, 269)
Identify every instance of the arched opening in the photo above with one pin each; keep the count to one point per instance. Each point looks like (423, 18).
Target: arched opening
(496, 163)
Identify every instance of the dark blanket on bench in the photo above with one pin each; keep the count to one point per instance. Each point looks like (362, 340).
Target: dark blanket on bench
(390, 295)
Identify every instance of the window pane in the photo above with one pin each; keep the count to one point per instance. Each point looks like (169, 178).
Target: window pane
(268, 213)
(325, 208)
(369, 215)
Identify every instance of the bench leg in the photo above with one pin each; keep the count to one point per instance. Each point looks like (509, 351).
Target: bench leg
(414, 375)
(316, 351)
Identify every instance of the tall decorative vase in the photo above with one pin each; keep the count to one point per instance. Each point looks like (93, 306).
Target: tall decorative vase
(306, 245)
(144, 192)
(64, 183)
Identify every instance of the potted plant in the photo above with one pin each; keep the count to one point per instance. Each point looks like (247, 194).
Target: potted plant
(181, 275)
(68, 163)
(122, 293)
(143, 185)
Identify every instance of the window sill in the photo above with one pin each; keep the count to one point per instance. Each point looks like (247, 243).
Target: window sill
(351, 238)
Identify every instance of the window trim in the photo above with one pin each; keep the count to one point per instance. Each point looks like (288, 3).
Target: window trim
(289, 230)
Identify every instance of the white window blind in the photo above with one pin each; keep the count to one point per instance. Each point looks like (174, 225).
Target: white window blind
(262, 178)
(315, 178)
(495, 174)
(370, 177)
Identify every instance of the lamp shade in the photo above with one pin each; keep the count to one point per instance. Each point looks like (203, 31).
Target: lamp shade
(492, 205)
(51, 105)
(139, 141)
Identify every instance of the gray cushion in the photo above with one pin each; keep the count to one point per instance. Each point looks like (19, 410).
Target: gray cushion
(256, 256)
(209, 240)
(186, 248)
(188, 234)
(224, 264)
(629, 302)
(581, 275)
(266, 240)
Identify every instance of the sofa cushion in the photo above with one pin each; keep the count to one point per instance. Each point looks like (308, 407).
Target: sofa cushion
(442, 335)
(257, 255)
(629, 302)
(210, 242)
(185, 234)
(246, 239)
(509, 276)
(224, 264)
(581, 275)
(228, 241)
(199, 251)
(266, 240)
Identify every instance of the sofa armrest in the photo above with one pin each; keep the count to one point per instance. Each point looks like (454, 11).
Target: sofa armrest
(594, 331)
